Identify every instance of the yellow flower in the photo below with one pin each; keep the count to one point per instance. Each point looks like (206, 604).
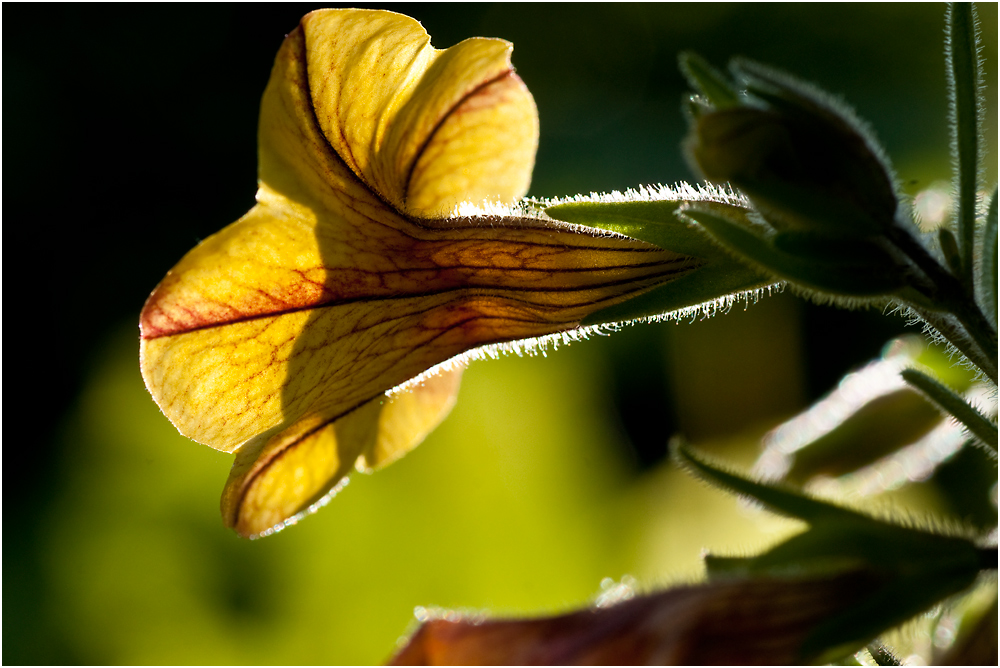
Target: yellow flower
(280, 336)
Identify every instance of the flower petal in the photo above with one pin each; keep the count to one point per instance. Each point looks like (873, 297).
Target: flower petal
(283, 330)
(294, 472)
(463, 160)
(766, 621)
(224, 384)
(322, 297)
(409, 416)
(433, 128)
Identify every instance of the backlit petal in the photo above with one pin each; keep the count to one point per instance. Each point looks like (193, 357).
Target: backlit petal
(280, 335)
(293, 472)
(425, 129)
(466, 287)
(323, 297)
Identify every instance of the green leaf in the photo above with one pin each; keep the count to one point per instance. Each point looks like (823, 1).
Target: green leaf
(965, 482)
(964, 80)
(652, 221)
(978, 424)
(832, 249)
(695, 106)
(838, 538)
(976, 644)
(847, 275)
(804, 158)
(988, 276)
(903, 597)
(871, 413)
(847, 660)
(776, 498)
(708, 81)
(783, 92)
(911, 569)
(655, 222)
(712, 282)
(802, 172)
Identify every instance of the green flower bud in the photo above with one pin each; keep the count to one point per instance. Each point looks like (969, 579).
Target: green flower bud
(805, 164)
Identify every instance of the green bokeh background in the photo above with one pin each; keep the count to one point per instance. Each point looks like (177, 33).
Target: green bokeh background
(131, 134)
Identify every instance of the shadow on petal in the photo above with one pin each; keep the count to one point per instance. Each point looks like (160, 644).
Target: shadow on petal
(345, 281)
(411, 293)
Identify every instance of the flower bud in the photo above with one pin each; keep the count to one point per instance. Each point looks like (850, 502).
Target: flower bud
(805, 164)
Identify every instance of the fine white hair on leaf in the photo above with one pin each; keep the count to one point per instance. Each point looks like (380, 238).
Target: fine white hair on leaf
(535, 208)
(936, 337)
(469, 615)
(681, 191)
(713, 307)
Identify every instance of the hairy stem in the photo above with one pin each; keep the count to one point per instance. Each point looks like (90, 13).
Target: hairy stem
(954, 314)
(963, 96)
(950, 402)
(974, 348)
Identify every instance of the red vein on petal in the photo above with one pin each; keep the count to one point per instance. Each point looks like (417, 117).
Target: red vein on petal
(170, 325)
(261, 466)
(437, 126)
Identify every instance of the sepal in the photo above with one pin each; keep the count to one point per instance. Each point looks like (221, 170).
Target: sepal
(839, 266)
(911, 569)
(708, 81)
(718, 275)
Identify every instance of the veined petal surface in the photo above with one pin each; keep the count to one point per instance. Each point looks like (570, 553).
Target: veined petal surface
(277, 335)
(433, 128)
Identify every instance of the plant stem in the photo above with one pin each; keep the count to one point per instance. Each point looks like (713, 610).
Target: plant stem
(982, 333)
(950, 402)
(975, 348)
(963, 97)
(954, 313)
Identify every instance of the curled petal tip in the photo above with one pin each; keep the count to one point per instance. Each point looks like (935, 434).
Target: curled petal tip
(425, 129)
(278, 479)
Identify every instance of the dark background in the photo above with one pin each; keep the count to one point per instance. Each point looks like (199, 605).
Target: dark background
(131, 134)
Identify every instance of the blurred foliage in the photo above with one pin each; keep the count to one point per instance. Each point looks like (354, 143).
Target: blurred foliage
(516, 504)
(133, 135)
